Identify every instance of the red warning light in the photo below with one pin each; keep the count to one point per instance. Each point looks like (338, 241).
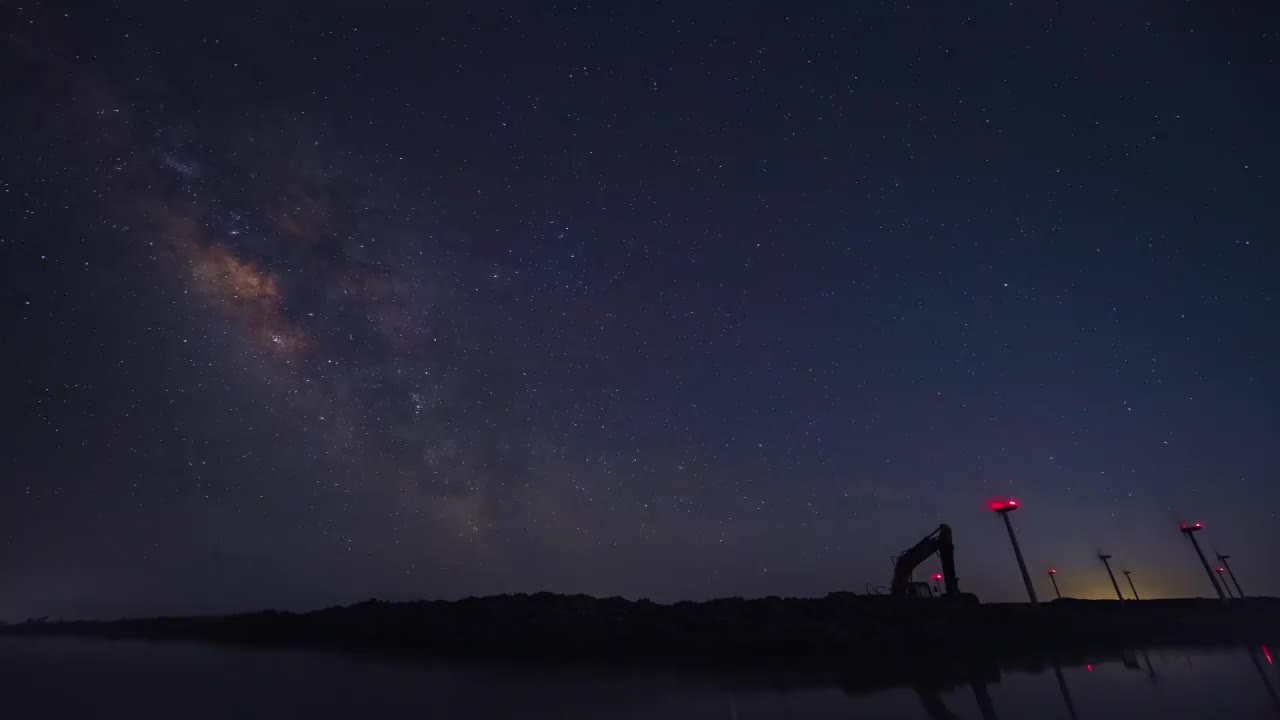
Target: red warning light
(1002, 505)
(937, 576)
(1222, 569)
(1267, 654)
(1052, 571)
(1089, 667)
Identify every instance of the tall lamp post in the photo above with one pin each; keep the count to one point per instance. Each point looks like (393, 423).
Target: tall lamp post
(1106, 560)
(1190, 531)
(1053, 577)
(1003, 508)
(1224, 583)
(1128, 576)
(1223, 559)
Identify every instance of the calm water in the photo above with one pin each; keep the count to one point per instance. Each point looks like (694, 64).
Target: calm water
(81, 678)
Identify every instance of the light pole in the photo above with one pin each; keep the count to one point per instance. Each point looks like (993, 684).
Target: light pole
(937, 579)
(1129, 577)
(1190, 531)
(1053, 577)
(1223, 559)
(1003, 508)
(1224, 582)
(1106, 560)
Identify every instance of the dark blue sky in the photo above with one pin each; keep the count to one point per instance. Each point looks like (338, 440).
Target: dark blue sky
(668, 300)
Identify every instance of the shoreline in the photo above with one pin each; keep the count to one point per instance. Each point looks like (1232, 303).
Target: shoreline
(878, 636)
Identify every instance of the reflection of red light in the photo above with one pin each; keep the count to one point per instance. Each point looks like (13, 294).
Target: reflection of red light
(1089, 668)
(1267, 654)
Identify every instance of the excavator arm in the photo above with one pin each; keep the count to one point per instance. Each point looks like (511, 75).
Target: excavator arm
(938, 541)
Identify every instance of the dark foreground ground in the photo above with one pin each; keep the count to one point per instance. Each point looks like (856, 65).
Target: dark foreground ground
(871, 638)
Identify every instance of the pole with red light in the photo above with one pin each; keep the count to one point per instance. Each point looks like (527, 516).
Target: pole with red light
(1223, 559)
(1003, 509)
(1190, 531)
(1106, 560)
(1053, 577)
(1224, 583)
(937, 580)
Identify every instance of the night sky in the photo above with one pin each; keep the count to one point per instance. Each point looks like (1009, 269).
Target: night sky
(667, 300)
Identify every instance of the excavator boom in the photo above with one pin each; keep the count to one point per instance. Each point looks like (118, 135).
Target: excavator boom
(938, 541)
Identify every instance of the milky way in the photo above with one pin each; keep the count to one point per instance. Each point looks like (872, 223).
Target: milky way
(670, 304)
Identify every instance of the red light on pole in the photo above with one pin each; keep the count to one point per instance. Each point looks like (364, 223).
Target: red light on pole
(1223, 580)
(1053, 578)
(1003, 508)
(1190, 531)
(1223, 559)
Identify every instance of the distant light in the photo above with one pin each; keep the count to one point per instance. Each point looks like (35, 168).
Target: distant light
(937, 576)
(999, 505)
(1052, 571)
(1089, 667)
(1267, 654)
(1222, 569)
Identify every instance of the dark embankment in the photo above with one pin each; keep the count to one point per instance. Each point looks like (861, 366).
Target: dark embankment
(874, 634)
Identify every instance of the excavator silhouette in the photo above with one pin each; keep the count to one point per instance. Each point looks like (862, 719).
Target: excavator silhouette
(939, 542)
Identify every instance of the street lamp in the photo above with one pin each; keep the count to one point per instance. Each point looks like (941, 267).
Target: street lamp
(1190, 531)
(1053, 577)
(1106, 560)
(1224, 582)
(1223, 559)
(1129, 577)
(1003, 508)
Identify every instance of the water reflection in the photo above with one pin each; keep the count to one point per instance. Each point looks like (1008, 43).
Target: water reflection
(1266, 679)
(1066, 691)
(937, 709)
(59, 678)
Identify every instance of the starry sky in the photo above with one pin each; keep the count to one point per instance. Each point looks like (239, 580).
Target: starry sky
(653, 299)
